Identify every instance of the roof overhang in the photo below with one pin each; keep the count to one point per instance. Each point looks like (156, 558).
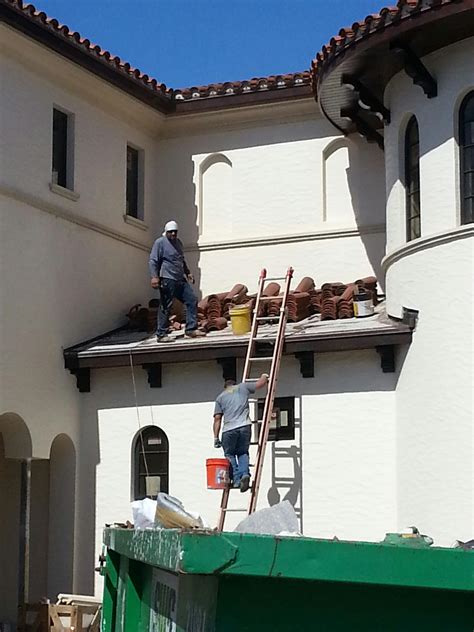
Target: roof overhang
(351, 73)
(122, 347)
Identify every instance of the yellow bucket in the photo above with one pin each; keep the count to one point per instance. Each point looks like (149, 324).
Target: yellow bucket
(240, 319)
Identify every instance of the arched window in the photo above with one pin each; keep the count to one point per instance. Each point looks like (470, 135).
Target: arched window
(466, 147)
(412, 179)
(150, 463)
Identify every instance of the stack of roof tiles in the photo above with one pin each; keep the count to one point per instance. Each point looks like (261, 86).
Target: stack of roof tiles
(331, 301)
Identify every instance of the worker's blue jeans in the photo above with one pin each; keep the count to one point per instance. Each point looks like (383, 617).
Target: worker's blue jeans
(170, 289)
(236, 449)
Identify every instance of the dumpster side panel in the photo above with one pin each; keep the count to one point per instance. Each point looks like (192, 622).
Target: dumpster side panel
(282, 605)
(110, 591)
(177, 603)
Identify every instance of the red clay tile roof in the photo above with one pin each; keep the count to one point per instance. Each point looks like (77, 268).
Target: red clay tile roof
(73, 39)
(257, 84)
(346, 38)
(388, 16)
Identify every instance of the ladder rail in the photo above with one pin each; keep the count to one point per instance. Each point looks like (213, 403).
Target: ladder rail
(271, 388)
(270, 397)
(253, 331)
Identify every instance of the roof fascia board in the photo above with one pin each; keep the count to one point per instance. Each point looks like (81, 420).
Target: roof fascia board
(349, 341)
(32, 29)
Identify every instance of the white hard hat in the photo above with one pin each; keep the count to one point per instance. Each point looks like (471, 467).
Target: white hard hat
(172, 225)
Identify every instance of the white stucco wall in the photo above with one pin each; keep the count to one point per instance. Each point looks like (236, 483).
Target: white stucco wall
(268, 203)
(70, 269)
(438, 128)
(433, 274)
(347, 437)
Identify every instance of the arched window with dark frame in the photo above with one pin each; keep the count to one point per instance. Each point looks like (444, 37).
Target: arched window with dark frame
(150, 463)
(466, 149)
(412, 179)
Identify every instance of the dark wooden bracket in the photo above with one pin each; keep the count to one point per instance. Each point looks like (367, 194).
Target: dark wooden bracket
(410, 317)
(306, 360)
(83, 379)
(416, 69)
(387, 358)
(154, 374)
(362, 126)
(229, 368)
(367, 98)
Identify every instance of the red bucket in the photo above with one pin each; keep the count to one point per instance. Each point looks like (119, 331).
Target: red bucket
(217, 473)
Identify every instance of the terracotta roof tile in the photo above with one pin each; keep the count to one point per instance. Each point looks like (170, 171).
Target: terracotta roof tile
(114, 62)
(74, 38)
(373, 23)
(257, 84)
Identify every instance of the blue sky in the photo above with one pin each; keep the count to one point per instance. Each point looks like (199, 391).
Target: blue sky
(184, 43)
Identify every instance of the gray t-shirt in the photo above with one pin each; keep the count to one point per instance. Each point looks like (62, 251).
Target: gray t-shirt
(233, 404)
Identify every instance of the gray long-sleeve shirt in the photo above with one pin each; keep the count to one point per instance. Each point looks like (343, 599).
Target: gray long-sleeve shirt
(167, 259)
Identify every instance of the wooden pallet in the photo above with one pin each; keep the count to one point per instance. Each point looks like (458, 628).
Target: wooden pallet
(41, 617)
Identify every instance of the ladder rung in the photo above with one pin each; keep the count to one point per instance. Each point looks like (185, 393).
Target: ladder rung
(269, 298)
(239, 509)
(262, 359)
(275, 278)
(267, 318)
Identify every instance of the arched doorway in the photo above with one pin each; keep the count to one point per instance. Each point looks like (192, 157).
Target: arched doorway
(15, 458)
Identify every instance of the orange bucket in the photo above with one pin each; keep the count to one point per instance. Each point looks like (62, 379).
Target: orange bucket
(217, 473)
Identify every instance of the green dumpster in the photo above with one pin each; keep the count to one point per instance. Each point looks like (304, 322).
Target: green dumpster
(196, 581)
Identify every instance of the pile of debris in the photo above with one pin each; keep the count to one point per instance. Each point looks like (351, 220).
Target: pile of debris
(331, 301)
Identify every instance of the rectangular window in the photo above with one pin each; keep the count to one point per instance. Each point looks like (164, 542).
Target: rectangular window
(134, 193)
(62, 167)
(282, 425)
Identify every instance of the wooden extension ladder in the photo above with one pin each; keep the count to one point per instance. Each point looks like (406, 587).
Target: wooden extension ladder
(252, 358)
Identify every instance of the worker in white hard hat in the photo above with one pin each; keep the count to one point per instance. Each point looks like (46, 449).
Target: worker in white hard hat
(170, 273)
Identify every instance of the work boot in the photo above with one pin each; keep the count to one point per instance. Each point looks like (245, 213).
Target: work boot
(195, 333)
(244, 483)
(164, 338)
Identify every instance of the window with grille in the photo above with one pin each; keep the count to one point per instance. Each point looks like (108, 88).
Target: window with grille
(412, 179)
(134, 185)
(150, 463)
(62, 154)
(466, 147)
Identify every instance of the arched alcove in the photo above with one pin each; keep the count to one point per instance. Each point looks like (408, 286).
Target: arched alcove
(215, 200)
(16, 436)
(337, 199)
(62, 482)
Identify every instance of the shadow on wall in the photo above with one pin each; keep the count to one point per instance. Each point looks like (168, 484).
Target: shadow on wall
(354, 195)
(15, 450)
(287, 470)
(176, 164)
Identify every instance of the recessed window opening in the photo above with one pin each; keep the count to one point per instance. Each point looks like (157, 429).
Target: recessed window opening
(282, 425)
(412, 180)
(63, 158)
(134, 184)
(150, 463)
(466, 148)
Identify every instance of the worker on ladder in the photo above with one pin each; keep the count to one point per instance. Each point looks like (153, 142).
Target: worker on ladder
(233, 405)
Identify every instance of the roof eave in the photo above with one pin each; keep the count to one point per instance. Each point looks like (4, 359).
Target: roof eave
(74, 52)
